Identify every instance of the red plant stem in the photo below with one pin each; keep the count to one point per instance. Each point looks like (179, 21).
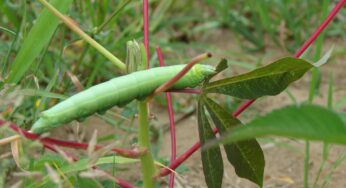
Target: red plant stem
(146, 29)
(186, 69)
(186, 90)
(52, 148)
(173, 137)
(48, 142)
(312, 38)
(243, 107)
(69, 144)
(302, 49)
(122, 183)
(324, 24)
(171, 122)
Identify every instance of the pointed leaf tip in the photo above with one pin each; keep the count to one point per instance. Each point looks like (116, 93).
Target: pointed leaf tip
(268, 80)
(211, 158)
(246, 156)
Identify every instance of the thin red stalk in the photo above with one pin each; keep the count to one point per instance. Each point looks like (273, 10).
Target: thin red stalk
(302, 49)
(69, 144)
(312, 38)
(171, 122)
(173, 137)
(181, 158)
(243, 107)
(146, 29)
(186, 69)
(324, 24)
(122, 183)
(187, 90)
(52, 148)
(52, 141)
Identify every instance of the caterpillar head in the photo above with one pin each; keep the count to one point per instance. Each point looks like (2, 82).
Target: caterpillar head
(195, 76)
(204, 70)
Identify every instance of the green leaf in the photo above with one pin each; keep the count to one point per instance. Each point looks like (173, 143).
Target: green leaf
(247, 156)
(268, 80)
(38, 38)
(84, 164)
(325, 58)
(48, 158)
(220, 67)
(306, 121)
(84, 182)
(10, 13)
(42, 93)
(134, 59)
(211, 158)
(343, 117)
(67, 168)
(158, 15)
(340, 103)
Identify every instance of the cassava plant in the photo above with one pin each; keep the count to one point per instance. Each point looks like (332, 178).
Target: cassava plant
(141, 82)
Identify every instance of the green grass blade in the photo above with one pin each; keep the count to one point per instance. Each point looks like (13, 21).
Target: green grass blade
(320, 39)
(325, 58)
(306, 164)
(325, 150)
(84, 164)
(37, 39)
(10, 14)
(340, 103)
(69, 23)
(336, 164)
(7, 31)
(68, 168)
(159, 14)
(42, 93)
(114, 15)
(343, 117)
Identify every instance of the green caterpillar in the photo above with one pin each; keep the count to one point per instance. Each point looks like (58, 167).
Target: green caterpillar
(118, 91)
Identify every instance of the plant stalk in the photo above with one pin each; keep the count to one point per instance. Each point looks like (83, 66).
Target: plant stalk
(69, 144)
(69, 23)
(306, 164)
(318, 51)
(147, 162)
